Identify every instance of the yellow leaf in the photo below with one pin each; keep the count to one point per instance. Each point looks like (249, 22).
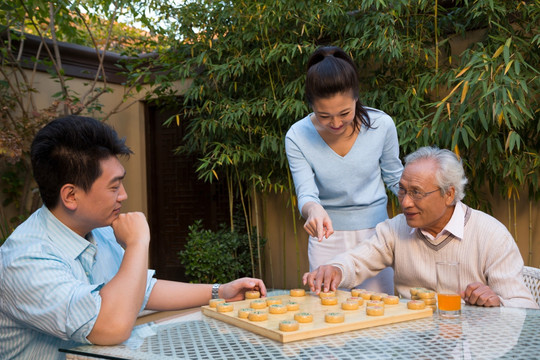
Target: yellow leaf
(500, 119)
(456, 151)
(448, 109)
(463, 71)
(508, 66)
(498, 52)
(464, 92)
(507, 143)
(210, 43)
(451, 92)
(299, 48)
(215, 174)
(510, 95)
(177, 120)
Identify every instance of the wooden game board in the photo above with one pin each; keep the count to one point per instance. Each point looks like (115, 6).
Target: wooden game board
(354, 319)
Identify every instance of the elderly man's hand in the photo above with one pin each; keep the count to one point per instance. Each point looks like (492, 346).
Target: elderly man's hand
(480, 294)
(325, 277)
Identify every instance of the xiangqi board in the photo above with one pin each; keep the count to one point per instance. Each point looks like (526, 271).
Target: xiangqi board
(312, 304)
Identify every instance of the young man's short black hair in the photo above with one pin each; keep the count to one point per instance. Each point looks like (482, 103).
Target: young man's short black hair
(69, 150)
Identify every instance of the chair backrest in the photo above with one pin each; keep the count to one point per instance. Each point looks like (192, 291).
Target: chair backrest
(531, 276)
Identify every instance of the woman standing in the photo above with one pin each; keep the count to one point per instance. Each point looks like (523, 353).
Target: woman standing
(340, 157)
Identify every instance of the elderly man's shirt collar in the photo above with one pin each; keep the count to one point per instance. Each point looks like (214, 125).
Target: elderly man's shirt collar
(454, 229)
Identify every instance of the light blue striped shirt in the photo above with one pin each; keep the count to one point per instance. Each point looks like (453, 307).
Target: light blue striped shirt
(50, 279)
(350, 188)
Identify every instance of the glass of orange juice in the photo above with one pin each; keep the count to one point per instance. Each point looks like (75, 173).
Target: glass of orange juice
(448, 289)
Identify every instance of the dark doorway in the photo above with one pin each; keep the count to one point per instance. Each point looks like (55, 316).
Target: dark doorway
(176, 198)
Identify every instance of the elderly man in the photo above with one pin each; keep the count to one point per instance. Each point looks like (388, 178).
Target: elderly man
(435, 226)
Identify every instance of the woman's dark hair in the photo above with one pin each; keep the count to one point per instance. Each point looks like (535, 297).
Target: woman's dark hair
(331, 71)
(69, 150)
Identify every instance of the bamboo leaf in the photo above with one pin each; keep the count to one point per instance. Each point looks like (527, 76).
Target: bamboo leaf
(463, 71)
(450, 94)
(456, 151)
(464, 91)
(517, 67)
(508, 66)
(498, 52)
(510, 95)
(465, 137)
(483, 120)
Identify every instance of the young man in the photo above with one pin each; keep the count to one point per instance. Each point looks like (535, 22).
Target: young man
(76, 271)
(435, 226)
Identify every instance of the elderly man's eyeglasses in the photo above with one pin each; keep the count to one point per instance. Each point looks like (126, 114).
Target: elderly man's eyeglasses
(414, 194)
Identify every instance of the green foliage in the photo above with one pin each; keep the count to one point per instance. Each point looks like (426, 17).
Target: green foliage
(219, 256)
(247, 61)
(89, 23)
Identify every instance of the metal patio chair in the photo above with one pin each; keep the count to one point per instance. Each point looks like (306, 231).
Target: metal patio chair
(531, 276)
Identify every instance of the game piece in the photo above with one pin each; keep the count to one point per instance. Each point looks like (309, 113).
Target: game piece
(277, 309)
(416, 305)
(258, 316)
(297, 292)
(329, 300)
(350, 305)
(252, 294)
(225, 307)
(258, 304)
(244, 312)
(289, 325)
(292, 306)
(334, 317)
(213, 303)
(375, 310)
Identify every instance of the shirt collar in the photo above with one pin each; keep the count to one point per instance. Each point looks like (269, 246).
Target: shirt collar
(63, 237)
(455, 226)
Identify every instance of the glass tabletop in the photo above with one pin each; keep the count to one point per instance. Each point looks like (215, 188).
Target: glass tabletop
(480, 333)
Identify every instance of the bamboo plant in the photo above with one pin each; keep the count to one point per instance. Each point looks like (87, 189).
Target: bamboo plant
(247, 61)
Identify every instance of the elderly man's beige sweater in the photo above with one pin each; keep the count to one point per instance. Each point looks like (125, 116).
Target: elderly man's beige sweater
(487, 254)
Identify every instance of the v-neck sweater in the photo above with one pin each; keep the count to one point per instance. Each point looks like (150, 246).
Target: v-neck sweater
(487, 253)
(350, 188)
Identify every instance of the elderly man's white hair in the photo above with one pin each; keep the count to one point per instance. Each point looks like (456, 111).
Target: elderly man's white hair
(450, 172)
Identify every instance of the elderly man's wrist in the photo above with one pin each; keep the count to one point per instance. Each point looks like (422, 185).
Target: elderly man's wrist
(341, 269)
